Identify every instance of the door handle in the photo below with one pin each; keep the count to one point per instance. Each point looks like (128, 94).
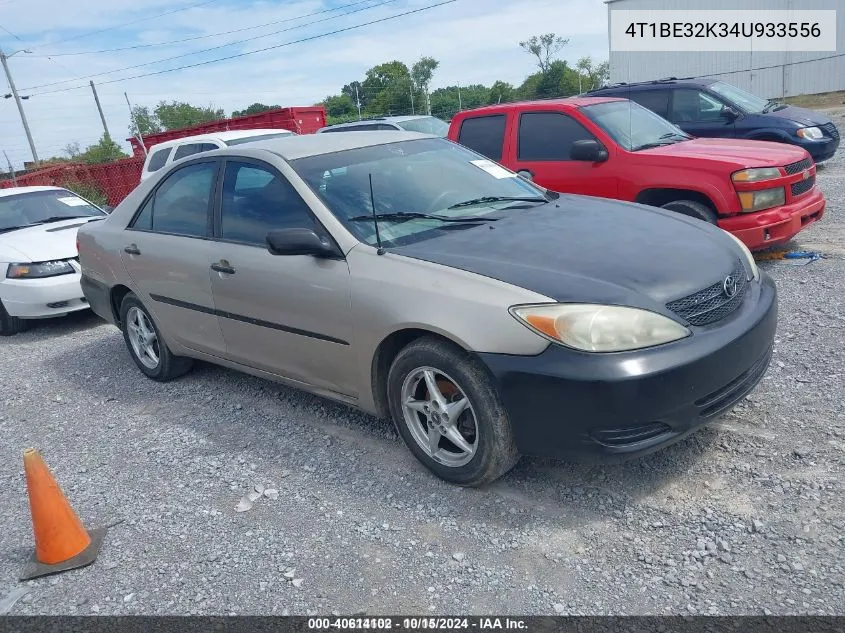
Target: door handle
(132, 250)
(223, 267)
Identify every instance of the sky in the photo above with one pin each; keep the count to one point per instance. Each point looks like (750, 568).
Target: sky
(475, 41)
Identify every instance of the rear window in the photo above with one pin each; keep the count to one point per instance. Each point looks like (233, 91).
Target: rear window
(158, 159)
(190, 149)
(484, 134)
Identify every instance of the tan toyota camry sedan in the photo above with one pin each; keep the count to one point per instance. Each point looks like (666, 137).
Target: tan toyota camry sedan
(415, 279)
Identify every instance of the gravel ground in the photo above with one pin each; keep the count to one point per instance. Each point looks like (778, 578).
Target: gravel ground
(745, 517)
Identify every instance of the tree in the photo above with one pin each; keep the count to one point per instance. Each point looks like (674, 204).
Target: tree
(422, 72)
(339, 106)
(388, 88)
(72, 150)
(544, 48)
(145, 121)
(104, 151)
(176, 114)
(501, 91)
(355, 91)
(593, 74)
(255, 108)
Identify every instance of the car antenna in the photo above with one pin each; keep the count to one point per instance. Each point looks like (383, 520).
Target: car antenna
(380, 250)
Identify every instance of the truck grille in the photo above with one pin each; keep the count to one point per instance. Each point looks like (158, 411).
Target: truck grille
(801, 165)
(711, 304)
(802, 186)
(830, 129)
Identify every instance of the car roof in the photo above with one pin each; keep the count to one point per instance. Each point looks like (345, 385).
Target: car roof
(11, 191)
(381, 119)
(654, 84)
(294, 147)
(225, 135)
(569, 102)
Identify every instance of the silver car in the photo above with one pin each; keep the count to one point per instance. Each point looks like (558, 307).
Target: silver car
(415, 279)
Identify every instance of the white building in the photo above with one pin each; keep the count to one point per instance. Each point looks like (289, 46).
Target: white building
(768, 74)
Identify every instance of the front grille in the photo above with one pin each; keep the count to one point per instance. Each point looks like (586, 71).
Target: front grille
(797, 168)
(711, 304)
(831, 130)
(630, 435)
(725, 397)
(802, 186)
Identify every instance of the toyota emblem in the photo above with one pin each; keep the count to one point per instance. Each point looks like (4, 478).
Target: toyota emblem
(730, 286)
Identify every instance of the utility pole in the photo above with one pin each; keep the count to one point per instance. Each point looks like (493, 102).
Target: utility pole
(137, 129)
(100, 109)
(460, 104)
(358, 102)
(3, 58)
(412, 101)
(427, 101)
(11, 169)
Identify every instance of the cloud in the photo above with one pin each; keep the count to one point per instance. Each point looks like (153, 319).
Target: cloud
(476, 41)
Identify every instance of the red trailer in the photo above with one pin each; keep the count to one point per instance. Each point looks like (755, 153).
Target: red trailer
(299, 119)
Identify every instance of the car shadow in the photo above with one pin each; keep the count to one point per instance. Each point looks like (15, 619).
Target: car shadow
(570, 494)
(40, 329)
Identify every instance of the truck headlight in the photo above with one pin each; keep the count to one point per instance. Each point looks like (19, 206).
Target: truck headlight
(810, 133)
(38, 271)
(756, 174)
(749, 258)
(599, 328)
(762, 199)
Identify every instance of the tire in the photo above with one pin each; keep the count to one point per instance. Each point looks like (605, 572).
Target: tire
(483, 423)
(9, 325)
(692, 209)
(159, 363)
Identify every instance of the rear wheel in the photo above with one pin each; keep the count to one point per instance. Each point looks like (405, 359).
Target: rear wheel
(449, 414)
(692, 209)
(147, 348)
(10, 325)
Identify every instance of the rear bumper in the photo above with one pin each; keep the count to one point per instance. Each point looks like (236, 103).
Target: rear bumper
(564, 403)
(99, 298)
(775, 226)
(42, 298)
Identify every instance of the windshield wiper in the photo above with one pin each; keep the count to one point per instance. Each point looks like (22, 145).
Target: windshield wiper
(674, 135)
(6, 229)
(651, 145)
(59, 218)
(402, 217)
(488, 199)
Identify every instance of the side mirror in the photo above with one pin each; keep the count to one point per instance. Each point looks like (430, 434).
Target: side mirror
(588, 150)
(300, 242)
(525, 174)
(729, 113)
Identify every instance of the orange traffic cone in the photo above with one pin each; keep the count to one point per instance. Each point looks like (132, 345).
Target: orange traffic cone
(61, 541)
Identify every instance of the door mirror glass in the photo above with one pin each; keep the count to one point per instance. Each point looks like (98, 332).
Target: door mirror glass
(730, 113)
(588, 150)
(299, 242)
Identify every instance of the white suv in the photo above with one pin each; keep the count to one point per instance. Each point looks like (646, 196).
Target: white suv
(163, 154)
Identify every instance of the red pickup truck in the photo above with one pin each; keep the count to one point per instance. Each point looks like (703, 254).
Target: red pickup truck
(762, 192)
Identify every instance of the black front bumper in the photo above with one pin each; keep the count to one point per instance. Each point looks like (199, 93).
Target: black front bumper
(568, 404)
(821, 150)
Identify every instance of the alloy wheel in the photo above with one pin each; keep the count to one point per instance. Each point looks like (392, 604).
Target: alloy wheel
(142, 337)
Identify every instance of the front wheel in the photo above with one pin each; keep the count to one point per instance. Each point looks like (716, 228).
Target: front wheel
(148, 349)
(449, 414)
(692, 209)
(10, 325)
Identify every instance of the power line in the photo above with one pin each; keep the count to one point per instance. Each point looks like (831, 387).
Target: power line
(203, 37)
(120, 26)
(10, 33)
(259, 50)
(206, 50)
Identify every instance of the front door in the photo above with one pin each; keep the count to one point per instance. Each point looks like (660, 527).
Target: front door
(542, 142)
(289, 315)
(701, 114)
(166, 254)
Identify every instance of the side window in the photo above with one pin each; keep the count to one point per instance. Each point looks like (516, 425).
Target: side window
(257, 200)
(189, 149)
(208, 147)
(548, 136)
(484, 134)
(158, 159)
(694, 105)
(655, 100)
(181, 203)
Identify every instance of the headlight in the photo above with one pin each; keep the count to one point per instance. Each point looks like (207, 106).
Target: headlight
(599, 328)
(810, 133)
(762, 199)
(38, 271)
(756, 175)
(749, 258)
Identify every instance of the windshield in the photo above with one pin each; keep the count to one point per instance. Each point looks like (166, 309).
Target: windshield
(25, 209)
(426, 125)
(262, 137)
(425, 176)
(745, 101)
(632, 126)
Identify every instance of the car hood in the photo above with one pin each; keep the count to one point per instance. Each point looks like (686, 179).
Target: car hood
(41, 243)
(801, 116)
(734, 152)
(584, 249)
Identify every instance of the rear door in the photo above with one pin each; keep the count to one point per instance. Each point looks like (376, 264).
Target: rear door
(542, 141)
(700, 113)
(487, 136)
(166, 252)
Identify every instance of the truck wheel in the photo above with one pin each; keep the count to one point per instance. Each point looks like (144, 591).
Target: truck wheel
(9, 325)
(692, 209)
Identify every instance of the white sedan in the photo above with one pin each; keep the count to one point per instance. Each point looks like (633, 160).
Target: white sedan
(39, 263)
